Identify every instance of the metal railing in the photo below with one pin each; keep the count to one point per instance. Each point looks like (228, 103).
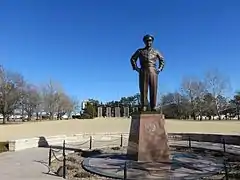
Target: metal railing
(53, 150)
(178, 141)
(52, 153)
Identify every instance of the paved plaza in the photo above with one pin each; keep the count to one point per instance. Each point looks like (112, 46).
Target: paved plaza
(29, 164)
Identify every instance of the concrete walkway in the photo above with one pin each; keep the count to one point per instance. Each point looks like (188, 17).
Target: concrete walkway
(29, 164)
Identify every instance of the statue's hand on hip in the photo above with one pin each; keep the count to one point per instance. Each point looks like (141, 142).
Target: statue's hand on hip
(137, 69)
(159, 70)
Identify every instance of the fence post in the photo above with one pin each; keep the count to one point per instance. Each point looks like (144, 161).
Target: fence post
(121, 143)
(50, 156)
(226, 170)
(224, 145)
(189, 142)
(90, 143)
(64, 160)
(125, 171)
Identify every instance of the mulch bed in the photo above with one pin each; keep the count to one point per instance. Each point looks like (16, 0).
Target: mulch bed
(76, 172)
(74, 164)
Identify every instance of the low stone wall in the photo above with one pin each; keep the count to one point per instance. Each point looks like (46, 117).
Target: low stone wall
(99, 138)
(214, 138)
(42, 141)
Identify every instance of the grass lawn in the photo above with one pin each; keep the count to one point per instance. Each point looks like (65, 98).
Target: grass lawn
(105, 125)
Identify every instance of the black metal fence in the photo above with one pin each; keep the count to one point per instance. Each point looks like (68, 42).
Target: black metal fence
(56, 149)
(187, 141)
(53, 153)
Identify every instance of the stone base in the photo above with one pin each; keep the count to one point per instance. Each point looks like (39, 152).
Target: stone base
(148, 139)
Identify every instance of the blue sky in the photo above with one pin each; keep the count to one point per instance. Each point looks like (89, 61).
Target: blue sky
(86, 45)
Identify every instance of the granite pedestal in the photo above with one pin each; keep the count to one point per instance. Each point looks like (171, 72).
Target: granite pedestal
(148, 138)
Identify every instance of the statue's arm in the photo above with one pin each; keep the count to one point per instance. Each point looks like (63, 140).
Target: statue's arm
(134, 59)
(161, 61)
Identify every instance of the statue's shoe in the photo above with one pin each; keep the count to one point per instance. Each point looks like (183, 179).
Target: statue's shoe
(153, 109)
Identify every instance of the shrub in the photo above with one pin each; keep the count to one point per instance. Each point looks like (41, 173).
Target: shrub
(4, 146)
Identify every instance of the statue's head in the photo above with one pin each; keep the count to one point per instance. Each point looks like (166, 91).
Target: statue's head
(148, 40)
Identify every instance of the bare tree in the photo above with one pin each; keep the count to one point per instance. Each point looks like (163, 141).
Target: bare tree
(217, 84)
(194, 90)
(31, 100)
(11, 86)
(175, 105)
(235, 103)
(200, 91)
(64, 105)
(51, 96)
(177, 97)
(74, 106)
(160, 101)
(208, 105)
(40, 108)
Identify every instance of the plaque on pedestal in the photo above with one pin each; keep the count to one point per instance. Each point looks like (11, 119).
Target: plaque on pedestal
(148, 139)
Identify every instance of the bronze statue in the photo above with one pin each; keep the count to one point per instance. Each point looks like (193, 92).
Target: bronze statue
(148, 72)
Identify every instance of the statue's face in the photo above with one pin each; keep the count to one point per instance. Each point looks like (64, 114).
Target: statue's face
(148, 43)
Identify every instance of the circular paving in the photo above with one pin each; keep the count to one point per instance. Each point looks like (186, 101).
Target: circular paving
(184, 165)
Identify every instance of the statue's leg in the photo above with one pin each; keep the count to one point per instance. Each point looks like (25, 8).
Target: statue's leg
(153, 82)
(143, 86)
